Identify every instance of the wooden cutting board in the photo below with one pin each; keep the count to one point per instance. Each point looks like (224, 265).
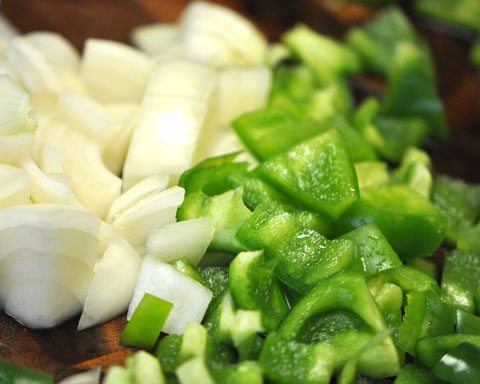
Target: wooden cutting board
(63, 350)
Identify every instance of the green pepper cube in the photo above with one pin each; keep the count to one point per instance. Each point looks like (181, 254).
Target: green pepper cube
(117, 375)
(415, 374)
(227, 211)
(469, 240)
(402, 215)
(12, 373)
(372, 250)
(461, 365)
(145, 326)
(390, 302)
(425, 315)
(460, 279)
(255, 287)
(145, 368)
(287, 361)
(246, 372)
(324, 56)
(371, 173)
(430, 350)
(317, 173)
(412, 90)
(467, 323)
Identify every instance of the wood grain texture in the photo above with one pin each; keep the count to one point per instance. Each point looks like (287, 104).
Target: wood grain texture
(63, 350)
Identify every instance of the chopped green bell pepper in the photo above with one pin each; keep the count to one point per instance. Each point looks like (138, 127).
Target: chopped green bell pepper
(461, 365)
(254, 286)
(390, 302)
(215, 278)
(317, 173)
(376, 41)
(188, 269)
(402, 215)
(425, 315)
(228, 212)
(372, 250)
(460, 279)
(325, 57)
(415, 374)
(247, 372)
(146, 324)
(371, 173)
(467, 323)
(430, 350)
(144, 368)
(415, 171)
(16, 374)
(469, 240)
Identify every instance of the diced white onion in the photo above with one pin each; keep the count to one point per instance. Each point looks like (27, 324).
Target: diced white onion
(152, 38)
(190, 299)
(183, 240)
(114, 72)
(90, 377)
(14, 186)
(15, 148)
(15, 108)
(112, 286)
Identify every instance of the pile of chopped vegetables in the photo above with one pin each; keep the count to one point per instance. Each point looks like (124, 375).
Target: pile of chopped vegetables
(302, 246)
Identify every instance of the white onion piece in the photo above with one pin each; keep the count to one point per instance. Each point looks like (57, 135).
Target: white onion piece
(72, 81)
(190, 299)
(15, 148)
(24, 265)
(47, 188)
(116, 147)
(105, 235)
(57, 50)
(50, 159)
(15, 186)
(3, 46)
(40, 304)
(112, 286)
(92, 183)
(153, 211)
(89, 377)
(170, 121)
(114, 72)
(85, 114)
(149, 186)
(183, 240)
(30, 67)
(152, 38)
(238, 90)
(212, 22)
(15, 108)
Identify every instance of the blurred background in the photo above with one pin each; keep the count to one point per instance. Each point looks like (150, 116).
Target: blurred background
(459, 81)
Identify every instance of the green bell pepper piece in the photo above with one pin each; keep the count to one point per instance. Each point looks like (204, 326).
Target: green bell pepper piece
(146, 324)
(228, 212)
(340, 312)
(426, 266)
(407, 278)
(145, 368)
(244, 334)
(459, 202)
(305, 257)
(425, 315)
(412, 89)
(317, 173)
(117, 375)
(324, 56)
(194, 371)
(287, 361)
(220, 318)
(414, 218)
(415, 171)
(415, 374)
(430, 350)
(467, 323)
(214, 176)
(390, 302)
(167, 352)
(184, 266)
(371, 173)
(464, 13)
(461, 365)
(215, 278)
(469, 240)
(16, 374)
(372, 250)
(460, 279)
(247, 372)
(375, 42)
(254, 286)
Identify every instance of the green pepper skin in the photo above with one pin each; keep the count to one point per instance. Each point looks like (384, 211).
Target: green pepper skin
(430, 350)
(287, 361)
(188, 269)
(415, 374)
(402, 215)
(467, 323)
(247, 372)
(372, 250)
(461, 365)
(254, 286)
(461, 274)
(15, 374)
(341, 312)
(425, 315)
(317, 173)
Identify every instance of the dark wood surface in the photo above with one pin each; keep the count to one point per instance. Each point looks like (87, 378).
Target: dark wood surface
(63, 350)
